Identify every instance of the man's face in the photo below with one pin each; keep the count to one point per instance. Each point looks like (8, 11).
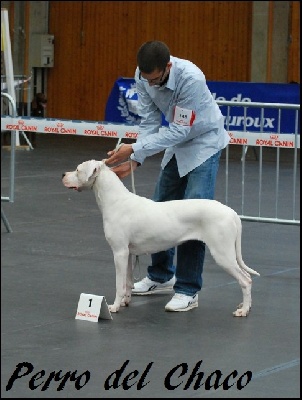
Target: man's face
(156, 77)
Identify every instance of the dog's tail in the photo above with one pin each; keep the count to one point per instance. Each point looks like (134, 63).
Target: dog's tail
(238, 249)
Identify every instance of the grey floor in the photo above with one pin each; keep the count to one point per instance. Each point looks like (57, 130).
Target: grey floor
(57, 251)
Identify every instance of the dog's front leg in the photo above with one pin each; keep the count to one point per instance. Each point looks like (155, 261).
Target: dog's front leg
(129, 282)
(121, 264)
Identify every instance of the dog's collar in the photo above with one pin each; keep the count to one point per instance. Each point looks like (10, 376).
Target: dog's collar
(93, 183)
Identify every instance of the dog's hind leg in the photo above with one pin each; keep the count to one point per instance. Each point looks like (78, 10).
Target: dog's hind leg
(121, 264)
(246, 287)
(228, 262)
(243, 308)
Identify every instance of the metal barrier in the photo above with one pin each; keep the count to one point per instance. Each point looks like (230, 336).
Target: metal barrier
(23, 108)
(265, 204)
(10, 198)
(276, 175)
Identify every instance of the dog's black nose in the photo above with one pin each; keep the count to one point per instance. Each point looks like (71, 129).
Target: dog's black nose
(63, 176)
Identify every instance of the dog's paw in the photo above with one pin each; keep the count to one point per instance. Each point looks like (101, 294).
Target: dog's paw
(113, 308)
(126, 301)
(241, 312)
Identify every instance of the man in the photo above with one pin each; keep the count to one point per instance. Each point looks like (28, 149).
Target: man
(193, 142)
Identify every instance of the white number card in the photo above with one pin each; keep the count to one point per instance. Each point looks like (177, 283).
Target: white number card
(182, 116)
(92, 308)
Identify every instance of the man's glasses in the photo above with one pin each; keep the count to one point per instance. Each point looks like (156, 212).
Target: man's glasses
(154, 80)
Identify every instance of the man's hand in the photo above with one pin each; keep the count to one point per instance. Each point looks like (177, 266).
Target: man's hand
(124, 169)
(119, 155)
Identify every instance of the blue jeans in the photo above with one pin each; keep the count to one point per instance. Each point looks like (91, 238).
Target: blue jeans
(197, 184)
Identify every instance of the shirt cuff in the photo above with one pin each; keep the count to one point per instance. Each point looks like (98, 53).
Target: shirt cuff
(138, 153)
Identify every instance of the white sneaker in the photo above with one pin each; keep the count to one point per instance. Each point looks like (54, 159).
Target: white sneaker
(146, 286)
(181, 302)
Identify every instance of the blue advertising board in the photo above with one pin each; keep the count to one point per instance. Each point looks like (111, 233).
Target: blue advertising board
(121, 106)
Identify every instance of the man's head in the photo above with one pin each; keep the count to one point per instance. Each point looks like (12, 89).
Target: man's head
(153, 60)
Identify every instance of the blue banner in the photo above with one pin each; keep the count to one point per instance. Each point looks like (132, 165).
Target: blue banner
(121, 106)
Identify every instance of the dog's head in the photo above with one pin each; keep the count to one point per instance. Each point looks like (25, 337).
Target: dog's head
(84, 176)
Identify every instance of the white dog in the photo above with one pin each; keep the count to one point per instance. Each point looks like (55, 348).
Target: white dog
(135, 225)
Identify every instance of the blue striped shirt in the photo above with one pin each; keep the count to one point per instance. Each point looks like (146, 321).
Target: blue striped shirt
(196, 126)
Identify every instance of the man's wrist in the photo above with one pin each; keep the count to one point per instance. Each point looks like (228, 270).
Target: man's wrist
(137, 162)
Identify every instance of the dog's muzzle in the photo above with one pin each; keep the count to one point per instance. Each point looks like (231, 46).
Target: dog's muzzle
(71, 187)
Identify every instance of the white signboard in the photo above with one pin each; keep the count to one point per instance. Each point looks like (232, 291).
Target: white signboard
(92, 308)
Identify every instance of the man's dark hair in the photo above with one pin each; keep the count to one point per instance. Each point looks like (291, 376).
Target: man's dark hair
(153, 55)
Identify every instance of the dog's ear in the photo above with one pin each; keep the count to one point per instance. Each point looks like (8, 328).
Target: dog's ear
(94, 169)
